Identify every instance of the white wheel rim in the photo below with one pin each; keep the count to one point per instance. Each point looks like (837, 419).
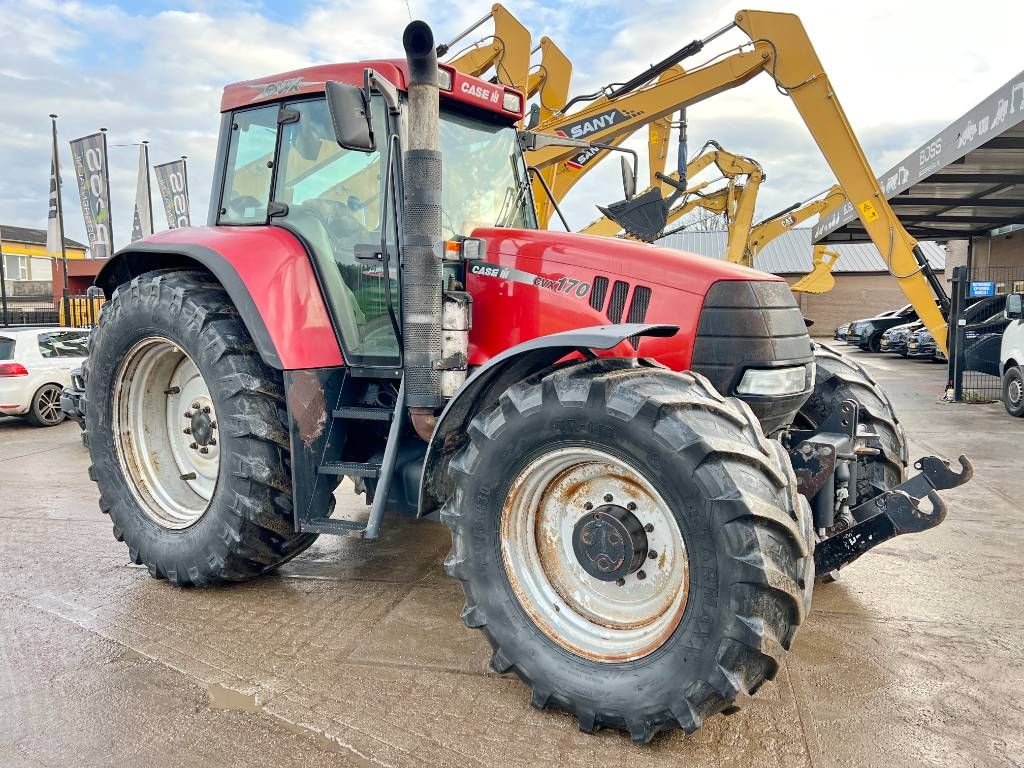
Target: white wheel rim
(598, 620)
(1015, 391)
(160, 399)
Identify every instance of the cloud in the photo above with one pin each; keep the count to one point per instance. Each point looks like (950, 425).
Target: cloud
(156, 71)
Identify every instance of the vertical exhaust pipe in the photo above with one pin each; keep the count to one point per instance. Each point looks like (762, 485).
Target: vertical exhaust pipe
(422, 247)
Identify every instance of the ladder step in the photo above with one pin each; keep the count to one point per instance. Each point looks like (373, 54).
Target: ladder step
(330, 525)
(354, 468)
(368, 413)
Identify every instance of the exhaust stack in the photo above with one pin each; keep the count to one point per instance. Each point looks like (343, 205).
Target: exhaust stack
(422, 247)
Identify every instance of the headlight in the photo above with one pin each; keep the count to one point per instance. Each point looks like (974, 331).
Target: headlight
(775, 381)
(512, 102)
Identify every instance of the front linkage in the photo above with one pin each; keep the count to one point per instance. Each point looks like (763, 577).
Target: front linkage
(825, 462)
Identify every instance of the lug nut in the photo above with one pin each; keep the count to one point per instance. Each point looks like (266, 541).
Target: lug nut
(206, 409)
(189, 414)
(652, 554)
(195, 406)
(193, 446)
(213, 425)
(620, 582)
(187, 430)
(607, 497)
(204, 449)
(213, 441)
(588, 506)
(631, 506)
(641, 574)
(649, 527)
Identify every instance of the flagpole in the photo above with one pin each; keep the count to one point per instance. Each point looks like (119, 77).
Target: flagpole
(60, 204)
(188, 202)
(149, 192)
(106, 173)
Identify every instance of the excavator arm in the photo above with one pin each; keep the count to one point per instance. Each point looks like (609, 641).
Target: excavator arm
(507, 52)
(550, 79)
(779, 46)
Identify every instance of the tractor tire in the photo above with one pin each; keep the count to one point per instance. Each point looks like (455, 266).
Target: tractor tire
(1013, 391)
(837, 378)
(726, 554)
(44, 410)
(166, 343)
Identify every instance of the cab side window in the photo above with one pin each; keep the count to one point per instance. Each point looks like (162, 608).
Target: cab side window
(250, 166)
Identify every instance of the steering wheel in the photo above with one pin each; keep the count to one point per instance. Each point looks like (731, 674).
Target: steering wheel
(239, 203)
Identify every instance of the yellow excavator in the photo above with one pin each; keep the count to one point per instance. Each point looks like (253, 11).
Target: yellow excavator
(779, 47)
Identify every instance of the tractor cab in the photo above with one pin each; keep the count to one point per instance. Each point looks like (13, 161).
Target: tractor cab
(280, 164)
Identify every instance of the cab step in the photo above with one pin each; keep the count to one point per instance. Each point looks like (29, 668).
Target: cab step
(364, 413)
(330, 525)
(350, 468)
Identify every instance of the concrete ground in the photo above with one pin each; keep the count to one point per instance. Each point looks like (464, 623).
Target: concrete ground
(354, 654)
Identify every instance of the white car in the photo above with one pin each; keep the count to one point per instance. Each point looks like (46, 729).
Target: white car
(35, 365)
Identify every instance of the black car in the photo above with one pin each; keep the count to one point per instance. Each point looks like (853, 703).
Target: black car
(921, 345)
(895, 339)
(869, 331)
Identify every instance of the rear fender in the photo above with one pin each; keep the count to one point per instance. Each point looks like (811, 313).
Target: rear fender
(266, 272)
(498, 374)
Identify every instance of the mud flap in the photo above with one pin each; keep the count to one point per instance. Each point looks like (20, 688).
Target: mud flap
(893, 513)
(644, 217)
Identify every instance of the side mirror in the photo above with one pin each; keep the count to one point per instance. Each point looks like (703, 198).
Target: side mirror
(350, 114)
(628, 178)
(1015, 306)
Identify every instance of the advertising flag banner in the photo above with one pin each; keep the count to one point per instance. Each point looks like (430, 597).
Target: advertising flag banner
(172, 181)
(142, 220)
(89, 154)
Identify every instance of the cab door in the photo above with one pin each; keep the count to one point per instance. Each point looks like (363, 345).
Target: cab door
(341, 204)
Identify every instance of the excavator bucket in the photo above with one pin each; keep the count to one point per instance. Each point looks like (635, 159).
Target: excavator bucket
(644, 216)
(819, 279)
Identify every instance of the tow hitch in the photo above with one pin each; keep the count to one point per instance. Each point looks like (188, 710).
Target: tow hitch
(894, 512)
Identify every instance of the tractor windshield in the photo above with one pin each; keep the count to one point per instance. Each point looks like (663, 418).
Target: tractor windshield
(484, 180)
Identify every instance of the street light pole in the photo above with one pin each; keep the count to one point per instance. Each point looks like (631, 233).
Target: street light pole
(60, 208)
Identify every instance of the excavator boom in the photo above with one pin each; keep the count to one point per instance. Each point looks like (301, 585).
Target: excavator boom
(779, 46)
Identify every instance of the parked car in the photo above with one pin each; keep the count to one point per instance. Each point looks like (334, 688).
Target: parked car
(869, 331)
(983, 336)
(921, 345)
(895, 339)
(35, 366)
(840, 332)
(1011, 356)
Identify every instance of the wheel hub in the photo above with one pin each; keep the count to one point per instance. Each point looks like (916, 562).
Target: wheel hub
(610, 543)
(201, 425)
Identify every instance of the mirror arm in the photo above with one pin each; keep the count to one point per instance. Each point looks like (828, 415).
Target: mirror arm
(547, 190)
(373, 81)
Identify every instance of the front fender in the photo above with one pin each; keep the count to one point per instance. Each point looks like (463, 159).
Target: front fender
(266, 272)
(495, 376)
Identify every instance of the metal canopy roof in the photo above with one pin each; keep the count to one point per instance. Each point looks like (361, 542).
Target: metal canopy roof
(967, 180)
(790, 253)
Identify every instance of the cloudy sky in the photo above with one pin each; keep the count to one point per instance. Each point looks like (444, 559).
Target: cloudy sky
(155, 70)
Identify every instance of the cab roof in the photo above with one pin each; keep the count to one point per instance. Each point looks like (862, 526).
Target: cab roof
(471, 91)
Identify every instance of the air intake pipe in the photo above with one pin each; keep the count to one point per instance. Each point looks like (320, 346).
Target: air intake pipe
(422, 244)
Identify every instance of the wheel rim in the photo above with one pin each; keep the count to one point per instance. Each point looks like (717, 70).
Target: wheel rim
(48, 405)
(544, 521)
(1015, 391)
(165, 432)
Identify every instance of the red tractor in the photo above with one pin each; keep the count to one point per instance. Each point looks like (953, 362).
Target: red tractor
(641, 456)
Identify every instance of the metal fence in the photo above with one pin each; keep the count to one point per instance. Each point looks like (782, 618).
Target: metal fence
(75, 311)
(976, 329)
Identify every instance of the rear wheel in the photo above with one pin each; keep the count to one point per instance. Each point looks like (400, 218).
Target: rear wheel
(1013, 391)
(188, 434)
(45, 410)
(631, 544)
(838, 379)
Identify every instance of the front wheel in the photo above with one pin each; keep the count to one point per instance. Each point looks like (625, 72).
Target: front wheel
(1013, 391)
(631, 544)
(188, 434)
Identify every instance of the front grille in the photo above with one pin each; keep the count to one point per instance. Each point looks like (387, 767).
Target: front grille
(598, 292)
(748, 324)
(617, 304)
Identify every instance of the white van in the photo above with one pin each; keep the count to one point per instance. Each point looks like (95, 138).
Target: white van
(1011, 356)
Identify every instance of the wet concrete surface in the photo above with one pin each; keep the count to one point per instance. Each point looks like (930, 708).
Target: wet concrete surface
(354, 653)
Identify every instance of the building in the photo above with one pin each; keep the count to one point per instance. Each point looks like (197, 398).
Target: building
(863, 287)
(32, 280)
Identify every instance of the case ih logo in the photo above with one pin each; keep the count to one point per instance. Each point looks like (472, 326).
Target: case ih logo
(481, 92)
(279, 88)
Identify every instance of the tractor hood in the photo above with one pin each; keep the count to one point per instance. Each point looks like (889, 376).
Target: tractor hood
(639, 262)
